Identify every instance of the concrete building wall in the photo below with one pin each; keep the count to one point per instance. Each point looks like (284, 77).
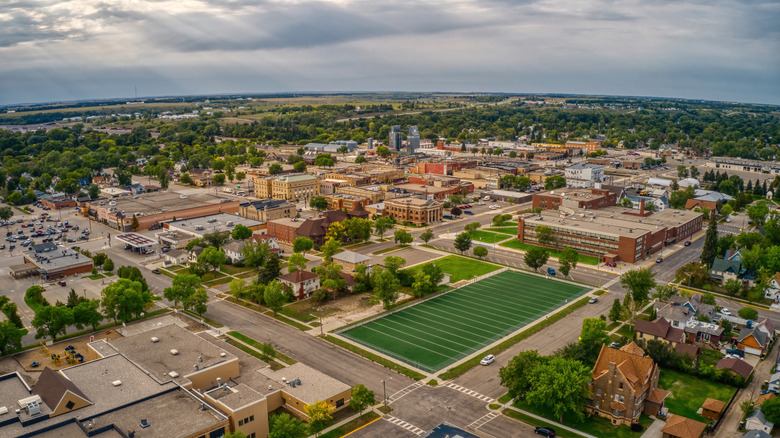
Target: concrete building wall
(207, 378)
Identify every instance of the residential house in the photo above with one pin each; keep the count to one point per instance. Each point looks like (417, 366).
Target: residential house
(772, 290)
(301, 283)
(194, 253)
(757, 421)
(764, 397)
(624, 385)
(753, 340)
(737, 366)
(270, 241)
(659, 329)
(350, 259)
(680, 427)
(135, 188)
(712, 408)
(756, 434)
(726, 269)
(233, 250)
(176, 256)
(682, 313)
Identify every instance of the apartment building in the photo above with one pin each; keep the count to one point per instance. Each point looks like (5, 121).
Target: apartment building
(584, 175)
(295, 187)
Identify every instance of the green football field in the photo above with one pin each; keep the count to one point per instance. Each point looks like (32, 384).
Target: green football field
(438, 332)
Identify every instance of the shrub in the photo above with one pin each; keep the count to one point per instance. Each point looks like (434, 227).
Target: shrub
(636, 427)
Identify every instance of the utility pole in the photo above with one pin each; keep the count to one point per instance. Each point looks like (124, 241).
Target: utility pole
(384, 391)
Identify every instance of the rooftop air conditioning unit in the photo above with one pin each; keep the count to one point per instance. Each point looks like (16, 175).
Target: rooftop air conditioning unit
(174, 352)
(173, 374)
(155, 339)
(116, 382)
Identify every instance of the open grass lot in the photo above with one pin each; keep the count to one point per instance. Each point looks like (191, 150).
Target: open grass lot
(596, 426)
(689, 393)
(460, 268)
(514, 244)
(230, 269)
(504, 230)
(438, 332)
(488, 237)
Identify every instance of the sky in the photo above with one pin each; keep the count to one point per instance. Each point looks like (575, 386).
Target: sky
(54, 50)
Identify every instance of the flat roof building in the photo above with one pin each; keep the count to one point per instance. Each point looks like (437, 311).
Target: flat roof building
(211, 224)
(54, 261)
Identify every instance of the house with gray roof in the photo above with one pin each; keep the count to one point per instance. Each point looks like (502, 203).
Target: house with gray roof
(757, 421)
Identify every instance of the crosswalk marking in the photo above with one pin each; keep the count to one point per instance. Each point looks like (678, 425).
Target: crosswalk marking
(479, 422)
(470, 392)
(403, 392)
(401, 423)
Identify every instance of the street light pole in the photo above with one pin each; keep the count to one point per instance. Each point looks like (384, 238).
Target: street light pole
(384, 391)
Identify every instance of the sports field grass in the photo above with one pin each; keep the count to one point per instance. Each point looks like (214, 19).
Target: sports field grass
(488, 237)
(438, 332)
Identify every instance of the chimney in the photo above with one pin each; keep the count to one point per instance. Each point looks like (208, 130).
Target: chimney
(642, 207)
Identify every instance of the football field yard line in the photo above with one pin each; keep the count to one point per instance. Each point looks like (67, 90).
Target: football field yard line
(426, 328)
(441, 317)
(446, 340)
(477, 307)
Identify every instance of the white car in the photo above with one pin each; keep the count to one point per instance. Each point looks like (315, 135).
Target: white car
(487, 360)
(725, 311)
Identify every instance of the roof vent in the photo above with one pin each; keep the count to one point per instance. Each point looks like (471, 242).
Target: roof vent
(116, 382)
(223, 354)
(173, 374)
(155, 339)
(174, 352)
(144, 423)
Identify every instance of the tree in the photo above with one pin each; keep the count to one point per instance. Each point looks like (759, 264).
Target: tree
(274, 296)
(212, 258)
(403, 237)
(517, 375)
(758, 213)
(771, 409)
(216, 239)
(472, 227)
(125, 299)
(255, 254)
(385, 286)
(99, 258)
(383, 151)
(536, 257)
(426, 235)
(10, 337)
(615, 311)
(682, 171)
(748, 313)
(297, 262)
(561, 386)
(94, 191)
(382, 224)
(732, 286)
(319, 415)
(362, 398)
(330, 248)
(423, 285)
(52, 321)
(324, 160)
(480, 251)
(331, 279)
(299, 167)
(275, 169)
(286, 426)
(219, 179)
(87, 313)
(133, 273)
(456, 211)
(241, 232)
(318, 203)
(360, 159)
(182, 287)
(568, 260)
(554, 182)
(240, 176)
(357, 229)
(393, 264)
(302, 244)
(592, 337)
(236, 434)
(694, 172)
(462, 242)
(186, 179)
(498, 220)
(708, 298)
(198, 301)
(639, 282)
(6, 213)
(108, 265)
(270, 270)
(545, 235)
(664, 292)
(709, 251)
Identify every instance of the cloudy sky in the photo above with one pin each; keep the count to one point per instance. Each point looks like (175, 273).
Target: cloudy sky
(84, 49)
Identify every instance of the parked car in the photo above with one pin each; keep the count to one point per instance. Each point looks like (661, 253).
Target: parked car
(659, 260)
(687, 243)
(735, 352)
(468, 212)
(11, 248)
(551, 271)
(155, 271)
(2, 246)
(593, 300)
(487, 360)
(611, 264)
(545, 431)
(725, 311)
(62, 283)
(446, 216)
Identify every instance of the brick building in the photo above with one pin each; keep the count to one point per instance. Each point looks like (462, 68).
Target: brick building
(283, 230)
(53, 262)
(265, 210)
(444, 167)
(590, 199)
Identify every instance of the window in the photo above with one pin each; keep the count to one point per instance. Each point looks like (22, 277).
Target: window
(240, 422)
(70, 404)
(598, 391)
(251, 418)
(620, 385)
(340, 403)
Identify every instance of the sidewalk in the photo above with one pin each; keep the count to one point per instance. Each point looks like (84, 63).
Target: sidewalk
(554, 423)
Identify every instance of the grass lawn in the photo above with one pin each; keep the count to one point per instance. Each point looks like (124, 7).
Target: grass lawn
(593, 425)
(212, 275)
(504, 230)
(95, 277)
(217, 282)
(488, 237)
(344, 429)
(689, 393)
(514, 244)
(230, 269)
(460, 268)
(626, 331)
(710, 357)
(534, 422)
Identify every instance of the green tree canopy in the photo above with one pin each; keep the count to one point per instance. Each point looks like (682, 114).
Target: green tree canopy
(212, 258)
(402, 236)
(536, 257)
(241, 232)
(302, 244)
(748, 313)
(639, 282)
(10, 337)
(385, 286)
(52, 321)
(382, 224)
(462, 242)
(426, 235)
(286, 426)
(480, 251)
(318, 203)
(517, 375)
(560, 385)
(182, 287)
(274, 296)
(125, 299)
(362, 398)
